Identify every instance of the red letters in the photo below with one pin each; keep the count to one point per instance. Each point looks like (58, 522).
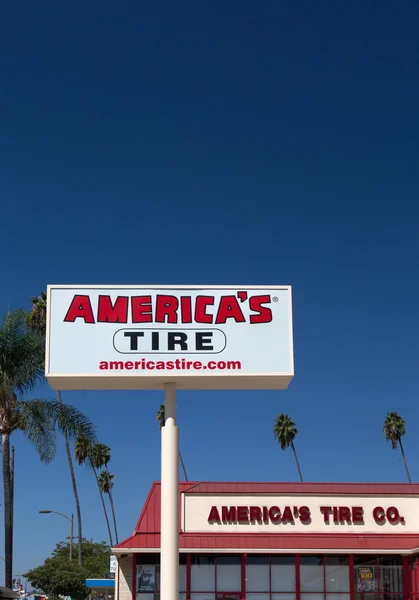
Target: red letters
(357, 515)
(112, 313)
(392, 514)
(166, 306)
(214, 515)
(287, 516)
(80, 307)
(229, 308)
(186, 309)
(264, 314)
(344, 514)
(242, 513)
(173, 309)
(255, 514)
(378, 514)
(326, 510)
(274, 514)
(228, 513)
(305, 516)
(141, 309)
(201, 304)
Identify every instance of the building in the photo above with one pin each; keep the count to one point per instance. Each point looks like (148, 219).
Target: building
(280, 541)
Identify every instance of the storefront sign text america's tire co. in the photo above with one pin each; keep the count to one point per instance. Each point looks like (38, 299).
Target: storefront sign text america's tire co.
(197, 337)
(351, 515)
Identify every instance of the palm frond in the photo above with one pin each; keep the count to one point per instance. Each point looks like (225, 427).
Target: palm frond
(74, 422)
(284, 430)
(83, 449)
(22, 353)
(101, 455)
(37, 424)
(161, 415)
(105, 482)
(36, 319)
(394, 428)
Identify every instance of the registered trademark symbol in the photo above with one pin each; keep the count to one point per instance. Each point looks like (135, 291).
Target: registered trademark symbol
(275, 299)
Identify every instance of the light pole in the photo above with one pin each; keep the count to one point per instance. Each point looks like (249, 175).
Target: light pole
(71, 520)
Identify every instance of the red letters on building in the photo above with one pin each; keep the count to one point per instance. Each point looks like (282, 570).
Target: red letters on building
(338, 515)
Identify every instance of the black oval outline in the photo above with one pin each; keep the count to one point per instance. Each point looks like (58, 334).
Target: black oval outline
(169, 329)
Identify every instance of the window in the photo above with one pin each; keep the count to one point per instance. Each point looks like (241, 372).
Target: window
(257, 575)
(265, 573)
(228, 573)
(336, 575)
(311, 576)
(378, 577)
(203, 574)
(283, 575)
(324, 577)
(148, 577)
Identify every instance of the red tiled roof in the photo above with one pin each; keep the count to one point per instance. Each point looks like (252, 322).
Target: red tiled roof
(147, 531)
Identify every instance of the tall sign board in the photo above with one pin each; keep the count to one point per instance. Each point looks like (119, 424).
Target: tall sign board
(140, 337)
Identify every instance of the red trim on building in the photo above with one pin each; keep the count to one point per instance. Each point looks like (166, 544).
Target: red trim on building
(351, 577)
(147, 531)
(243, 576)
(290, 542)
(134, 576)
(188, 577)
(359, 489)
(405, 560)
(297, 577)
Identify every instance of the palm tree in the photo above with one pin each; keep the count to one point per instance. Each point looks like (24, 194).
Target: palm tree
(22, 356)
(161, 418)
(106, 485)
(37, 317)
(36, 320)
(84, 451)
(394, 429)
(285, 432)
(101, 458)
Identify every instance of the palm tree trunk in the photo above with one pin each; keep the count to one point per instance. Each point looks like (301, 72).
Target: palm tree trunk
(103, 504)
(404, 460)
(8, 518)
(113, 509)
(73, 481)
(183, 466)
(296, 460)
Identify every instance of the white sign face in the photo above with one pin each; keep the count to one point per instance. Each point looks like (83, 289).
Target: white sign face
(299, 514)
(110, 337)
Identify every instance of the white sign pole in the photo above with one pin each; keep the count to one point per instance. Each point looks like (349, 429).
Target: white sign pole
(169, 556)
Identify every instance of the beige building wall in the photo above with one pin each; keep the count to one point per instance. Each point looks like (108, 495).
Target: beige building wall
(123, 579)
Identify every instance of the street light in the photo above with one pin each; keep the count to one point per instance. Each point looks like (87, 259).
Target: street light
(71, 520)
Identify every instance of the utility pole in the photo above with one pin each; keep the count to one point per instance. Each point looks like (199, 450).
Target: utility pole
(12, 478)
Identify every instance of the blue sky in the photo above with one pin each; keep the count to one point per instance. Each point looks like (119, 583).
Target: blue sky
(220, 143)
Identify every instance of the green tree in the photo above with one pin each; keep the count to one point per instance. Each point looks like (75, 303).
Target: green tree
(394, 429)
(87, 455)
(60, 577)
(22, 357)
(101, 458)
(161, 417)
(285, 432)
(36, 320)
